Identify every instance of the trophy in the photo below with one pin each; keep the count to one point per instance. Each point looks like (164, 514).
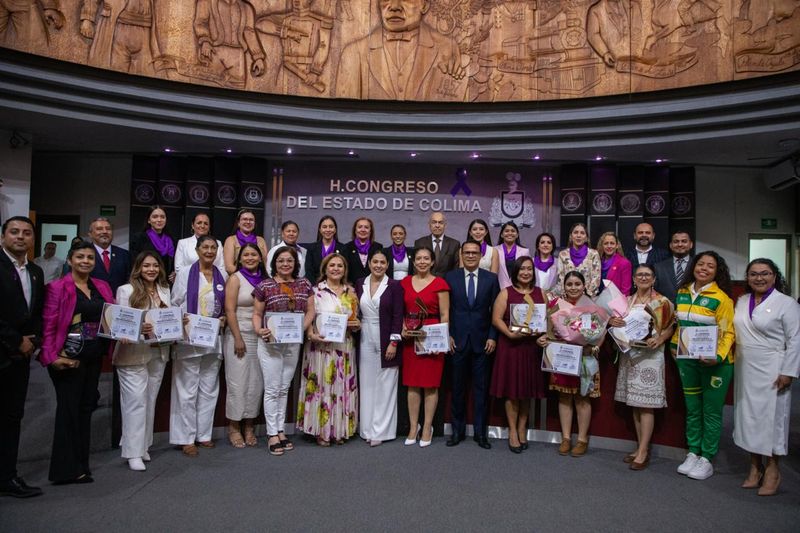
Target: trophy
(520, 316)
(349, 301)
(413, 321)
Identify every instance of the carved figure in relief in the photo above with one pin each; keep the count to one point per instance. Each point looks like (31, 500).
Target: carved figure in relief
(767, 36)
(624, 35)
(225, 33)
(305, 33)
(26, 24)
(123, 34)
(403, 59)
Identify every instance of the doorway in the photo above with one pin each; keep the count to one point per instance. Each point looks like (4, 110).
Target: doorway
(60, 229)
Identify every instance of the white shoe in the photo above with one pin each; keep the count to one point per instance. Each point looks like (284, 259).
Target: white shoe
(688, 464)
(703, 469)
(411, 442)
(146, 457)
(136, 464)
(425, 443)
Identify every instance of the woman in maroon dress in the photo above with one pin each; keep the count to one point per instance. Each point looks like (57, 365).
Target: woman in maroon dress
(517, 374)
(423, 372)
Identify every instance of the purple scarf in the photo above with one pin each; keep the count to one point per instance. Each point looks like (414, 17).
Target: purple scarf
(510, 254)
(543, 266)
(753, 300)
(483, 248)
(193, 286)
(399, 253)
(329, 250)
(162, 243)
(579, 255)
(606, 264)
(363, 249)
(253, 279)
(246, 239)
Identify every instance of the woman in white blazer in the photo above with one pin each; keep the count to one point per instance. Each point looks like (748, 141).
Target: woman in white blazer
(185, 253)
(767, 323)
(140, 366)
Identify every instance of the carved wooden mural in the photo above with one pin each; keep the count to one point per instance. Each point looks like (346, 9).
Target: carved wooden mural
(423, 50)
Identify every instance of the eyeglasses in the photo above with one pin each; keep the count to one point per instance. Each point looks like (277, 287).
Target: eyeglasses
(764, 274)
(643, 275)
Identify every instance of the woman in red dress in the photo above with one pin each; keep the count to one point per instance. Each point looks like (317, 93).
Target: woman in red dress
(423, 372)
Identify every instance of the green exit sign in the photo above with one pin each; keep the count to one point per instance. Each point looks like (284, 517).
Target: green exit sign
(769, 223)
(111, 211)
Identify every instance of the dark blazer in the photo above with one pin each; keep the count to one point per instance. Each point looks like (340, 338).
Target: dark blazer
(472, 324)
(390, 315)
(354, 269)
(666, 282)
(17, 319)
(120, 271)
(314, 259)
(141, 242)
(409, 254)
(448, 257)
(655, 255)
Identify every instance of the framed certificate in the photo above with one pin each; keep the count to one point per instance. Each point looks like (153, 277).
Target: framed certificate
(435, 339)
(562, 358)
(332, 326)
(167, 324)
(528, 319)
(636, 330)
(285, 328)
(697, 342)
(201, 331)
(120, 323)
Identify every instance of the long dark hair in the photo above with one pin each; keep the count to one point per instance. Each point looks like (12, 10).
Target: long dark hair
(140, 299)
(502, 229)
(539, 238)
(152, 208)
(335, 224)
(780, 281)
(487, 239)
(261, 268)
(722, 278)
(574, 274)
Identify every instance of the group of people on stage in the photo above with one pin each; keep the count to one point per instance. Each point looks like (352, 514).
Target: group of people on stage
(389, 293)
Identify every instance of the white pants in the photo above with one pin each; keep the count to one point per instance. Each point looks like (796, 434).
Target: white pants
(377, 388)
(195, 387)
(278, 362)
(138, 390)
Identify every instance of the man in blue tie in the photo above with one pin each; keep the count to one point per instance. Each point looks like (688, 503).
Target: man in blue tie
(473, 340)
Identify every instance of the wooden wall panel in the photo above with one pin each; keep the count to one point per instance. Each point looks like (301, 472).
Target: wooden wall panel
(436, 50)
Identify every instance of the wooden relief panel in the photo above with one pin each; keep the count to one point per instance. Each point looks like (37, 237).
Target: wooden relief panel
(419, 50)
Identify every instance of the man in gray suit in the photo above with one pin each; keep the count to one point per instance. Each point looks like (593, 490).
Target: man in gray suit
(671, 271)
(445, 248)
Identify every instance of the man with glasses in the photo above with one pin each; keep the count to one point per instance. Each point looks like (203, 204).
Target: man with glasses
(671, 271)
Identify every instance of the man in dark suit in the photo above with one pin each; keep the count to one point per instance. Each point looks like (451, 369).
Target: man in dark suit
(22, 294)
(445, 248)
(644, 251)
(473, 338)
(113, 264)
(671, 271)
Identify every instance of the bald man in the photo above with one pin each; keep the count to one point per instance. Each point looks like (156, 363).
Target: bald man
(444, 248)
(644, 252)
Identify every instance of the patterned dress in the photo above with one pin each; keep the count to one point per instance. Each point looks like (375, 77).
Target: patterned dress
(328, 403)
(590, 267)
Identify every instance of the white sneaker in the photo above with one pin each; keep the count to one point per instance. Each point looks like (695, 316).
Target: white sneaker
(146, 457)
(703, 469)
(687, 465)
(136, 464)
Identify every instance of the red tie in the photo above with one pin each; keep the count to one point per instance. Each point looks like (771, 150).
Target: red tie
(106, 260)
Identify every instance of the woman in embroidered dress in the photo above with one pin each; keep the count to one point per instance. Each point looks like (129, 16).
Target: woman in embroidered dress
(328, 403)
(579, 257)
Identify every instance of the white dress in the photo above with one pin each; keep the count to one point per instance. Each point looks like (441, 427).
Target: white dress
(767, 346)
(399, 269)
(640, 378)
(245, 383)
(548, 279)
(486, 259)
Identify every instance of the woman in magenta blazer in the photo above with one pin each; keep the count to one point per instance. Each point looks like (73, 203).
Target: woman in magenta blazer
(614, 267)
(73, 354)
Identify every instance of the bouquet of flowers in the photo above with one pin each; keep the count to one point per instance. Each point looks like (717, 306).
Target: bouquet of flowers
(583, 323)
(612, 300)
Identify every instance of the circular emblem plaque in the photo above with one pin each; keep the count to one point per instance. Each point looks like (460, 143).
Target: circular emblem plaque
(226, 195)
(630, 203)
(144, 193)
(681, 204)
(171, 193)
(199, 194)
(253, 195)
(571, 202)
(602, 203)
(655, 204)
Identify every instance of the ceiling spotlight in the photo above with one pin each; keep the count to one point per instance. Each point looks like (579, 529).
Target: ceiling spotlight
(413, 154)
(351, 152)
(598, 158)
(660, 160)
(537, 157)
(475, 155)
(228, 150)
(289, 150)
(167, 149)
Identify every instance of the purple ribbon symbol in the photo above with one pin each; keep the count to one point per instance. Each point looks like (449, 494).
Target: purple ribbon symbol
(461, 183)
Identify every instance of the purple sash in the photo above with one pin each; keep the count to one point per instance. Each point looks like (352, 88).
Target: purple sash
(193, 286)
